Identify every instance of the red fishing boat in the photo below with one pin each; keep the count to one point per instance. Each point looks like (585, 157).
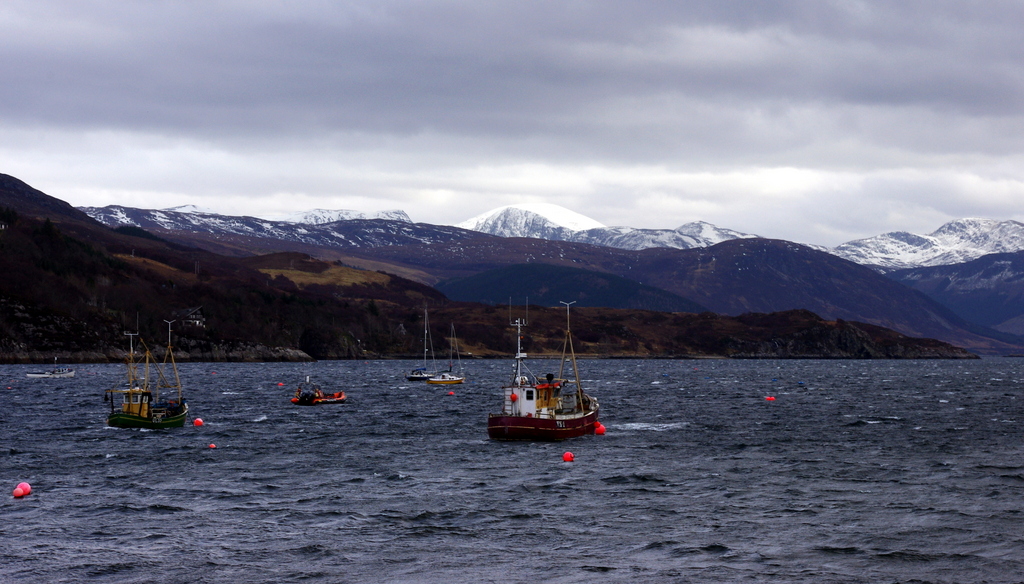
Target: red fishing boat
(553, 409)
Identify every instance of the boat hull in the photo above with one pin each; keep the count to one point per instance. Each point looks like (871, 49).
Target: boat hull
(320, 400)
(502, 427)
(50, 375)
(446, 381)
(123, 420)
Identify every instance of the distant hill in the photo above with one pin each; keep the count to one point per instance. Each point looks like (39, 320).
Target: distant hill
(732, 277)
(795, 334)
(547, 285)
(988, 290)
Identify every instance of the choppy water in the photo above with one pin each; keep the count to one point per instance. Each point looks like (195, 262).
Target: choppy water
(858, 471)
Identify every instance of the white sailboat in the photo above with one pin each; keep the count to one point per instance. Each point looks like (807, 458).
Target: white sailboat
(422, 373)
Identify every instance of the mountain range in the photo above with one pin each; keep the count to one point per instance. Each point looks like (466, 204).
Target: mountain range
(72, 286)
(955, 242)
(726, 272)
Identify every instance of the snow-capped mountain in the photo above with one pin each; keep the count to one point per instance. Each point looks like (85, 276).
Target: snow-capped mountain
(347, 233)
(548, 221)
(537, 220)
(955, 242)
(321, 216)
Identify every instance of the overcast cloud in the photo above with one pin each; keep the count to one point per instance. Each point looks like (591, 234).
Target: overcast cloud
(818, 121)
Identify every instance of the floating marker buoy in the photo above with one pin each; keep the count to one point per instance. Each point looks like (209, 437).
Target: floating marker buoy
(770, 398)
(451, 393)
(279, 383)
(213, 445)
(18, 493)
(213, 373)
(599, 430)
(512, 398)
(568, 457)
(21, 490)
(197, 422)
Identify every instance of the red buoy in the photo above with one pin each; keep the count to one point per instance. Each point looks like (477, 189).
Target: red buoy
(279, 383)
(513, 398)
(18, 493)
(27, 488)
(568, 457)
(451, 393)
(197, 422)
(213, 445)
(770, 398)
(599, 429)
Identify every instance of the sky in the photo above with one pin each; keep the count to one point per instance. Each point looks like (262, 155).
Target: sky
(818, 121)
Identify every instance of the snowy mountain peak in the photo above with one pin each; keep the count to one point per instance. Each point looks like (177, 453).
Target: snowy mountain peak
(955, 242)
(546, 221)
(708, 234)
(525, 220)
(322, 216)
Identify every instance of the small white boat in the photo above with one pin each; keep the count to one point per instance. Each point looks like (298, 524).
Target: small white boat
(445, 379)
(55, 372)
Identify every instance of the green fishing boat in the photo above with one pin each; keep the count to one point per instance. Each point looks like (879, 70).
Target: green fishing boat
(143, 403)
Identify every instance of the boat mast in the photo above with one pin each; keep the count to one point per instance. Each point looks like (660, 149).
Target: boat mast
(133, 374)
(572, 355)
(170, 355)
(519, 323)
(453, 348)
(517, 372)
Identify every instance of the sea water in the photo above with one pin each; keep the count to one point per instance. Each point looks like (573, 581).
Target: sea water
(856, 471)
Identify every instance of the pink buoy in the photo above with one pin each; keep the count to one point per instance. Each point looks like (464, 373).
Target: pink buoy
(568, 457)
(18, 493)
(197, 422)
(27, 488)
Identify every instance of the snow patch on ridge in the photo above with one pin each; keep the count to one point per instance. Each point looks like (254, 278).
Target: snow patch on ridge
(321, 216)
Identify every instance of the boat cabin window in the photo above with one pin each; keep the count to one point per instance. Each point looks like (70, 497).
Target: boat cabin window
(127, 399)
(145, 399)
(529, 394)
(135, 398)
